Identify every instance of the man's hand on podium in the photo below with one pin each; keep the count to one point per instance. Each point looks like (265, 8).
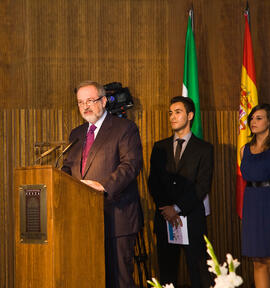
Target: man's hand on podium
(94, 184)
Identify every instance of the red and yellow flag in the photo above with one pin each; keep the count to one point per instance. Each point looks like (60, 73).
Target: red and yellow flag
(248, 99)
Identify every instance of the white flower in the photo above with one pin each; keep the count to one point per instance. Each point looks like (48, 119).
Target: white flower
(168, 286)
(223, 269)
(223, 279)
(235, 279)
(211, 265)
(233, 263)
(156, 282)
(230, 280)
(229, 258)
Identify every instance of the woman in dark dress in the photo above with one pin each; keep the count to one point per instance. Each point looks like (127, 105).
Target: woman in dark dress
(255, 168)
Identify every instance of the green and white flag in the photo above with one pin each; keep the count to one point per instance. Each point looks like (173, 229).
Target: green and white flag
(190, 79)
(191, 87)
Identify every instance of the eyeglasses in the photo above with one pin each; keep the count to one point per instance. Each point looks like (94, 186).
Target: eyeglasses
(89, 102)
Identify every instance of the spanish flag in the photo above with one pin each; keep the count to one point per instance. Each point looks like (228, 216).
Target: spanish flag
(248, 99)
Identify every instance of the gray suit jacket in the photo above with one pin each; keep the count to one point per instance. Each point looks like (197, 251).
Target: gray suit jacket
(114, 160)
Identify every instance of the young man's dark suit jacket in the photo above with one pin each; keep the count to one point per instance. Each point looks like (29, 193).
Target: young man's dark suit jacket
(185, 185)
(114, 160)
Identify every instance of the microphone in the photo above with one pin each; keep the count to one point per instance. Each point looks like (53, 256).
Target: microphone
(65, 151)
(47, 153)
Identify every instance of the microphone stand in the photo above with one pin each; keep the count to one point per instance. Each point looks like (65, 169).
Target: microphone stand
(141, 258)
(46, 153)
(65, 151)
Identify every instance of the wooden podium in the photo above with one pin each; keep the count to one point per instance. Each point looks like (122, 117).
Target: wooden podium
(59, 231)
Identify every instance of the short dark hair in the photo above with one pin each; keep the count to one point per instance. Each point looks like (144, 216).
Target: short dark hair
(266, 108)
(188, 104)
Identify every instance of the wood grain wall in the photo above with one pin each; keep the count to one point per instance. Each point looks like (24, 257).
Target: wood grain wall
(47, 47)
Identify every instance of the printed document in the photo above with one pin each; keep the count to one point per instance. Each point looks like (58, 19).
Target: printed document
(178, 235)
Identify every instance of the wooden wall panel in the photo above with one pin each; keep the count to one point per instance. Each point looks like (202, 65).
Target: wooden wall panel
(49, 46)
(23, 128)
(59, 44)
(3, 204)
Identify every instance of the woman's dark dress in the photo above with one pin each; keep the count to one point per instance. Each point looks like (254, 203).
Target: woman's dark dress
(256, 209)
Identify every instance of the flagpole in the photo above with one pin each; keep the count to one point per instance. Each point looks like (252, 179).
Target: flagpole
(248, 15)
(191, 15)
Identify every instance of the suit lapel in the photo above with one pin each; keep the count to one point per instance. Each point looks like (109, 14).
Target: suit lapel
(102, 135)
(78, 147)
(170, 160)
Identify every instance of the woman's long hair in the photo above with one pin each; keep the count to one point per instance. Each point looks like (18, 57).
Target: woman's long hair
(266, 108)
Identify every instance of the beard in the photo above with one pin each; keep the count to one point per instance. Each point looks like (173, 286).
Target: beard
(92, 116)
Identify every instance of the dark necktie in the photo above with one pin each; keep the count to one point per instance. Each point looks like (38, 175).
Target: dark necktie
(90, 137)
(178, 151)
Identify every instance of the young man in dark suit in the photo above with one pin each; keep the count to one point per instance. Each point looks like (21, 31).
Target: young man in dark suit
(107, 156)
(180, 178)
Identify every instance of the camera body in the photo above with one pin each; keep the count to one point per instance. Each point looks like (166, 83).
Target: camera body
(119, 99)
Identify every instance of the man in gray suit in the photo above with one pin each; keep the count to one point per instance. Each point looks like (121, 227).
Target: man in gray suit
(107, 156)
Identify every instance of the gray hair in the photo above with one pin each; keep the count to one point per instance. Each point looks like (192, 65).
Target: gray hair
(99, 87)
